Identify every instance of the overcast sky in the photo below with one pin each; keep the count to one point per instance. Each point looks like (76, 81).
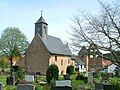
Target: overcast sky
(57, 13)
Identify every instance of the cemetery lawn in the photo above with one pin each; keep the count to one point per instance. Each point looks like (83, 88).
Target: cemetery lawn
(76, 84)
(3, 79)
(40, 83)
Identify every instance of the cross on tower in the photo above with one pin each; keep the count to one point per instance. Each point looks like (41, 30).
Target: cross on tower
(41, 12)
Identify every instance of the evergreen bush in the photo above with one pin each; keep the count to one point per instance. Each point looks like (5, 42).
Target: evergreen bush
(70, 70)
(79, 77)
(52, 74)
(115, 82)
(20, 73)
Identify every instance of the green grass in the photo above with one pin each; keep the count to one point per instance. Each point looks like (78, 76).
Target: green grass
(38, 87)
(79, 84)
(115, 81)
(3, 79)
(7, 87)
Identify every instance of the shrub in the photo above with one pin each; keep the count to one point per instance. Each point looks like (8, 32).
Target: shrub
(115, 82)
(77, 69)
(52, 74)
(95, 75)
(85, 79)
(20, 73)
(3, 64)
(7, 87)
(70, 70)
(79, 77)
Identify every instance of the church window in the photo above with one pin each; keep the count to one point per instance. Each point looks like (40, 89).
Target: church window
(38, 28)
(72, 64)
(81, 66)
(68, 61)
(45, 31)
(55, 58)
(61, 62)
(44, 27)
(62, 72)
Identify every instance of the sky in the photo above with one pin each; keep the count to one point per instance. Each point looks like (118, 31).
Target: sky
(57, 13)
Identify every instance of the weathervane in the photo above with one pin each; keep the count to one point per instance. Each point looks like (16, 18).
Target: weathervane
(41, 12)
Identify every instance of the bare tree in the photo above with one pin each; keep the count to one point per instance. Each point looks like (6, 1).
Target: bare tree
(102, 30)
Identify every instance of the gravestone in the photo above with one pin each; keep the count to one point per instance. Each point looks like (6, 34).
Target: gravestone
(63, 83)
(1, 87)
(90, 77)
(61, 88)
(99, 86)
(29, 78)
(118, 71)
(10, 80)
(25, 87)
(108, 87)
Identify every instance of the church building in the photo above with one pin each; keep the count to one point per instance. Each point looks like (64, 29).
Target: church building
(92, 59)
(45, 50)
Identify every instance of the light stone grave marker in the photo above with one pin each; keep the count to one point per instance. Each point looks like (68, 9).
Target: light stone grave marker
(29, 78)
(63, 83)
(90, 77)
(1, 86)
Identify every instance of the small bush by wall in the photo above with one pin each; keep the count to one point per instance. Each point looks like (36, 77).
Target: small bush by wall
(70, 70)
(52, 74)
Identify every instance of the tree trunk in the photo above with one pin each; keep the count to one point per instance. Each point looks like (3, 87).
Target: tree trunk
(11, 66)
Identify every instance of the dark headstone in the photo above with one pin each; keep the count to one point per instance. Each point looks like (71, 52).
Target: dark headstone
(108, 87)
(61, 88)
(66, 77)
(1, 87)
(99, 86)
(25, 87)
(10, 80)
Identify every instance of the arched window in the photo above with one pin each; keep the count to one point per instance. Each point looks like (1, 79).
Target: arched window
(68, 61)
(61, 62)
(38, 29)
(55, 58)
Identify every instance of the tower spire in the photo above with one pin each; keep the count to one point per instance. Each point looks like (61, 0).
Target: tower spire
(41, 27)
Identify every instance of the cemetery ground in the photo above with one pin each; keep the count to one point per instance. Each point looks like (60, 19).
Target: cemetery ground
(41, 84)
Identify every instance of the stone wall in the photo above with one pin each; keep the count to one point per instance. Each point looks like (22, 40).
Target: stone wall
(62, 62)
(37, 56)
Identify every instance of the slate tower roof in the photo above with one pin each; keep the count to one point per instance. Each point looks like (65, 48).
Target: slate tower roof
(41, 20)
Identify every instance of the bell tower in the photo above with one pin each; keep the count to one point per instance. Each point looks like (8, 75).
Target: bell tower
(41, 27)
